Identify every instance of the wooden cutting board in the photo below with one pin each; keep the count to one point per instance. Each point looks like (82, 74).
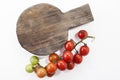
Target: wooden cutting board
(43, 29)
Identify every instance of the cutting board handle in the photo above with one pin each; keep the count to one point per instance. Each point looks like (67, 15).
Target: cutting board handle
(78, 16)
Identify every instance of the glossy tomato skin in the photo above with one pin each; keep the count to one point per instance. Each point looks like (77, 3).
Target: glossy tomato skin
(41, 72)
(78, 58)
(84, 50)
(70, 65)
(51, 68)
(53, 57)
(69, 45)
(67, 56)
(62, 65)
(82, 34)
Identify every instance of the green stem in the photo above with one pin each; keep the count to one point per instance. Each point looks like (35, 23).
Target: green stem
(81, 41)
(91, 37)
(77, 44)
(76, 50)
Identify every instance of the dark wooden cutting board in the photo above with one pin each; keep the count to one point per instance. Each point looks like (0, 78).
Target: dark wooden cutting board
(43, 29)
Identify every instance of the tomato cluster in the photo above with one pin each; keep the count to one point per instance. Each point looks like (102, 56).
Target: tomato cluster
(66, 61)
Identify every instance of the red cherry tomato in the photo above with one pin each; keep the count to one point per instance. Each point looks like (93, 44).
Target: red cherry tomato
(84, 50)
(70, 65)
(41, 72)
(78, 58)
(69, 45)
(67, 56)
(51, 68)
(53, 57)
(62, 65)
(82, 34)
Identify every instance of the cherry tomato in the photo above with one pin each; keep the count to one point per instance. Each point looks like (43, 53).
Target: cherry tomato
(41, 72)
(67, 56)
(62, 65)
(82, 34)
(70, 65)
(51, 68)
(84, 50)
(53, 57)
(69, 45)
(29, 68)
(78, 58)
(34, 60)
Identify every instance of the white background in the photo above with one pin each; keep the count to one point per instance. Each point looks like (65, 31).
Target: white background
(103, 61)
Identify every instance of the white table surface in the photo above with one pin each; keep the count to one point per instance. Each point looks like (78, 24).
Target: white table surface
(103, 61)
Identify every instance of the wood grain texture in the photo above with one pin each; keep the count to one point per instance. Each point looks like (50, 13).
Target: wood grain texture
(43, 29)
